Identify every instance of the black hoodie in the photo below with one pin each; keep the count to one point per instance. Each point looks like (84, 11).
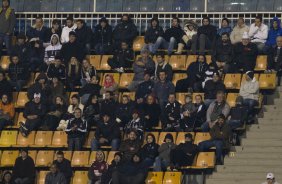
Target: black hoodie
(152, 34)
(150, 150)
(208, 30)
(24, 168)
(125, 31)
(84, 34)
(109, 131)
(103, 35)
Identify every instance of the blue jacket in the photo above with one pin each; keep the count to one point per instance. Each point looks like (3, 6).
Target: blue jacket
(224, 30)
(274, 33)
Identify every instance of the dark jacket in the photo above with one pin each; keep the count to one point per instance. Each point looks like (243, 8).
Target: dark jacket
(144, 89)
(152, 34)
(7, 25)
(108, 131)
(139, 70)
(57, 178)
(107, 176)
(53, 71)
(91, 110)
(184, 154)
(18, 72)
(91, 72)
(208, 30)
(89, 88)
(137, 125)
(5, 88)
(223, 52)
(200, 114)
(58, 90)
(175, 32)
(49, 33)
(274, 61)
(80, 130)
(239, 112)
(124, 112)
(163, 89)
(32, 108)
(196, 71)
(34, 33)
(70, 50)
(103, 35)
(23, 51)
(172, 110)
(132, 169)
(154, 112)
(38, 88)
(84, 35)
(211, 88)
(125, 58)
(125, 148)
(150, 150)
(165, 67)
(108, 107)
(24, 168)
(97, 167)
(222, 133)
(125, 31)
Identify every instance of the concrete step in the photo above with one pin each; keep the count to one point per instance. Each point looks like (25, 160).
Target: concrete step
(258, 155)
(258, 149)
(262, 142)
(235, 181)
(266, 127)
(253, 162)
(254, 135)
(246, 169)
(249, 175)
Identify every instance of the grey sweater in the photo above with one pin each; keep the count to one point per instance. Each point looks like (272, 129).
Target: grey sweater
(7, 25)
(57, 178)
(139, 70)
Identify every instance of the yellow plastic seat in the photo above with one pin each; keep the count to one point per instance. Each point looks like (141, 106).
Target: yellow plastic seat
(232, 81)
(32, 154)
(180, 97)
(156, 134)
(92, 157)
(205, 160)
(8, 158)
(181, 137)
(80, 158)
(154, 177)
(166, 58)
(162, 137)
(20, 118)
(5, 62)
(30, 80)
(44, 158)
(95, 60)
(43, 139)
(8, 138)
(80, 177)
(111, 157)
(59, 139)
(201, 136)
(267, 81)
(178, 76)
(36, 75)
(231, 99)
(116, 77)
(104, 62)
(172, 178)
(89, 139)
(196, 94)
(178, 62)
(41, 177)
(138, 43)
(22, 100)
(191, 59)
(131, 95)
(261, 63)
(25, 141)
(125, 79)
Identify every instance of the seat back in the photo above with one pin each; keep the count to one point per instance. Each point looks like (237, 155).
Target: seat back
(59, 139)
(8, 158)
(180, 97)
(89, 139)
(22, 99)
(138, 43)
(154, 177)
(95, 60)
(44, 158)
(172, 178)
(5, 62)
(178, 76)
(41, 177)
(8, 138)
(125, 79)
(205, 160)
(267, 81)
(80, 158)
(232, 81)
(261, 63)
(43, 138)
(162, 137)
(111, 157)
(104, 62)
(26, 141)
(178, 62)
(201, 136)
(231, 99)
(80, 177)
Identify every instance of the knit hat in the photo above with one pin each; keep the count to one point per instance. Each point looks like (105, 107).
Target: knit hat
(168, 136)
(245, 35)
(72, 33)
(250, 74)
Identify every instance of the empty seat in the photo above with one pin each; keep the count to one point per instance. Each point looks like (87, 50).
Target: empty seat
(201, 136)
(154, 177)
(21, 118)
(44, 158)
(164, 5)
(80, 177)
(180, 97)
(116, 77)
(8, 138)
(95, 60)
(8, 158)
(180, 6)
(131, 5)
(114, 5)
(261, 63)
(59, 139)
(231, 99)
(178, 76)
(162, 137)
(125, 79)
(111, 156)
(80, 158)
(25, 141)
(138, 43)
(65, 5)
(43, 139)
(5, 62)
(41, 177)
(130, 94)
(22, 100)
(177, 62)
(48, 5)
(267, 81)
(172, 178)
(34, 8)
(92, 157)
(104, 62)
(232, 81)
(32, 154)
(205, 160)
(148, 6)
(181, 137)
(89, 138)
(83, 6)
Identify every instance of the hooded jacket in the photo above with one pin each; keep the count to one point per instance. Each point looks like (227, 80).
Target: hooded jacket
(237, 33)
(152, 34)
(84, 35)
(208, 30)
(165, 149)
(108, 131)
(24, 168)
(165, 67)
(250, 89)
(53, 50)
(103, 35)
(65, 33)
(38, 88)
(139, 70)
(211, 88)
(274, 33)
(81, 128)
(97, 169)
(54, 178)
(150, 150)
(125, 31)
(175, 32)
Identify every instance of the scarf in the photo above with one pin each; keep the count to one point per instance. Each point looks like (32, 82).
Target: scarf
(7, 13)
(110, 83)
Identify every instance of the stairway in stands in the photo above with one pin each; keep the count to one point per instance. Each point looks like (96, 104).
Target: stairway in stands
(260, 152)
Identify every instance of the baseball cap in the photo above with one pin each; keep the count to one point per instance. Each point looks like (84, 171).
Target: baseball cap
(270, 176)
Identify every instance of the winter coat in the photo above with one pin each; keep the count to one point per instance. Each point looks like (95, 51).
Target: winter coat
(165, 149)
(154, 112)
(84, 35)
(215, 109)
(124, 112)
(245, 55)
(250, 89)
(125, 31)
(222, 133)
(144, 89)
(150, 150)
(165, 67)
(7, 24)
(274, 33)
(89, 88)
(34, 33)
(53, 50)
(108, 107)
(81, 128)
(108, 131)
(18, 72)
(57, 178)
(24, 168)
(208, 30)
(126, 146)
(6, 88)
(175, 32)
(258, 34)
(103, 35)
(274, 61)
(196, 71)
(139, 70)
(32, 108)
(223, 52)
(211, 88)
(239, 112)
(163, 89)
(237, 33)
(224, 30)
(70, 50)
(65, 33)
(152, 34)
(59, 71)
(23, 51)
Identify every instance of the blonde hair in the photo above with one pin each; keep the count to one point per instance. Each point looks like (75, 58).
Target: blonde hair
(73, 59)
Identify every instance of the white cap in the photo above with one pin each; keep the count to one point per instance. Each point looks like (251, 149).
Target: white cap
(270, 176)
(37, 95)
(245, 35)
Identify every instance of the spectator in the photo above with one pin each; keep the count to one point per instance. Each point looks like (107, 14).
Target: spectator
(84, 35)
(171, 114)
(7, 178)
(33, 113)
(91, 111)
(245, 54)
(56, 89)
(109, 84)
(142, 65)
(190, 30)
(5, 86)
(152, 113)
(107, 133)
(225, 28)
(108, 104)
(76, 129)
(124, 111)
(24, 169)
(91, 88)
(72, 48)
(238, 31)
(149, 151)
(199, 117)
(37, 31)
(40, 86)
(274, 32)
(139, 105)
(206, 36)
(212, 87)
(17, 73)
(163, 88)
(258, 33)
(238, 114)
(270, 179)
(54, 29)
(145, 88)
(73, 73)
(53, 49)
(163, 160)
(87, 72)
(64, 166)
(163, 65)
(187, 110)
(130, 146)
(136, 124)
(115, 164)
(103, 37)
(153, 36)
(7, 111)
(250, 92)
(56, 69)
(97, 168)
(220, 135)
(7, 22)
(125, 31)
(36, 57)
(55, 176)
(184, 153)
(21, 48)
(217, 107)
(123, 58)
(70, 27)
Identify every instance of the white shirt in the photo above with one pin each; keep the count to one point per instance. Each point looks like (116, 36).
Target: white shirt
(258, 34)
(65, 33)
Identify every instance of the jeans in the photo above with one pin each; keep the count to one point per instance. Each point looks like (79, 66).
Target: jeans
(203, 41)
(148, 162)
(75, 144)
(7, 40)
(206, 145)
(168, 45)
(114, 144)
(18, 84)
(260, 47)
(23, 181)
(250, 103)
(160, 164)
(234, 123)
(33, 124)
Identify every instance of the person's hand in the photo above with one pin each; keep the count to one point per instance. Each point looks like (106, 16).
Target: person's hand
(131, 148)
(185, 113)
(171, 118)
(36, 45)
(147, 117)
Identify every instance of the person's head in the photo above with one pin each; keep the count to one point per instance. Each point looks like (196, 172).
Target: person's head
(225, 37)
(150, 99)
(175, 22)
(245, 38)
(147, 76)
(198, 99)
(2, 75)
(150, 138)
(136, 158)
(109, 79)
(54, 39)
(240, 22)
(188, 137)
(56, 24)
(38, 22)
(73, 61)
(86, 63)
(139, 100)
(94, 99)
(103, 22)
(59, 100)
(24, 153)
(188, 98)
(125, 99)
(145, 54)
(106, 118)
(249, 75)
(125, 18)
(225, 22)
(94, 79)
(162, 75)
(215, 77)
(55, 80)
(279, 41)
(132, 135)
(15, 59)
(154, 22)
(72, 37)
(5, 99)
(108, 95)
(220, 96)
(168, 138)
(258, 21)
(275, 24)
(69, 22)
(124, 45)
(117, 157)
(5, 3)
(270, 178)
(100, 156)
(206, 21)
(77, 113)
(54, 168)
(201, 58)
(57, 61)
(37, 97)
(221, 119)
(171, 98)
(7, 177)
(135, 114)
(75, 100)
(21, 38)
(160, 58)
(79, 23)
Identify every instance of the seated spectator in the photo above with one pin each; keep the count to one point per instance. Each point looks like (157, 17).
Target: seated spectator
(56, 68)
(199, 117)
(97, 168)
(40, 86)
(270, 179)
(163, 65)
(217, 107)
(245, 54)
(125, 31)
(258, 33)
(17, 73)
(187, 110)
(103, 37)
(149, 151)
(73, 73)
(250, 92)
(34, 111)
(130, 146)
(57, 88)
(139, 105)
(87, 72)
(123, 58)
(24, 169)
(220, 135)
(132, 172)
(124, 111)
(115, 164)
(107, 133)
(5, 86)
(56, 110)
(53, 49)
(163, 160)
(238, 114)
(145, 88)
(36, 55)
(163, 88)
(212, 87)
(84, 35)
(69, 27)
(153, 36)
(274, 32)
(76, 130)
(152, 112)
(108, 104)
(55, 176)
(64, 166)
(142, 65)
(190, 30)
(206, 37)
(54, 29)
(91, 88)
(71, 49)
(37, 31)
(7, 111)
(91, 111)
(238, 31)
(225, 28)
(136, 123)
(21, 48)
(7, 178)
(109, 85)
(184, 153)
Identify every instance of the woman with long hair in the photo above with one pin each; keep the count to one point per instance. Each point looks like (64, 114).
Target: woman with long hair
(73, 73)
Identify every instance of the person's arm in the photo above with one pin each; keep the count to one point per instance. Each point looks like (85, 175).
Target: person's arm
(68, 169)
(264, 32)
(169, 72)
(163, 147)
(226, 110)
(232, 36)
(83, 129)
(97, 133)
(12, 23)
(253, 30)
(253, 88)
(209, 111)
(63, 36)
(69, 127)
